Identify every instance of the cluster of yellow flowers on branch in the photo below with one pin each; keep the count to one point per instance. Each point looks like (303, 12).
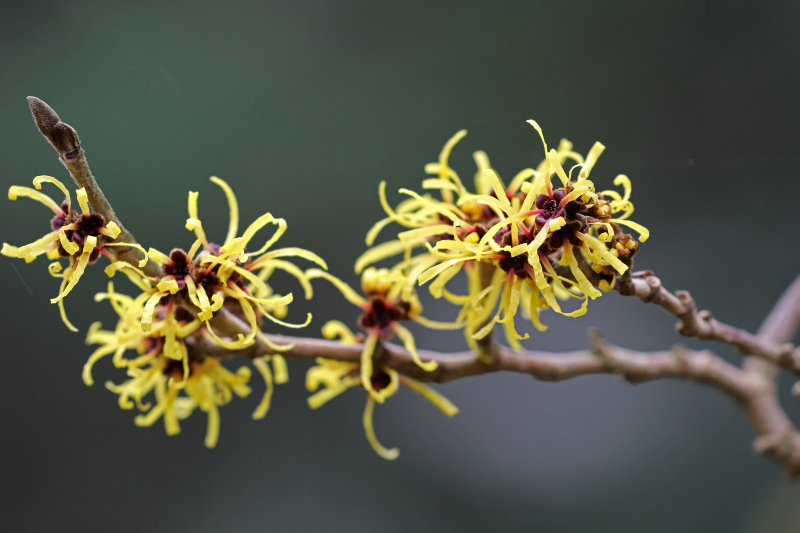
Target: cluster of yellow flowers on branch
(546, 237)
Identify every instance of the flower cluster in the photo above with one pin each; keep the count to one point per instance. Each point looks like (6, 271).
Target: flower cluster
(388, 300)
(528, 244)
(170, 322)
(80, 236)
(547, 237)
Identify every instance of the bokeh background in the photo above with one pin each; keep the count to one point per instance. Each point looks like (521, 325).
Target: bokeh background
(304, 107)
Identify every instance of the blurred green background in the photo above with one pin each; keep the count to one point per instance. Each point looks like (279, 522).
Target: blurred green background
(304, 107)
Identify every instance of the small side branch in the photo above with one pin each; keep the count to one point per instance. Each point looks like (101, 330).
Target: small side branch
(702, 324)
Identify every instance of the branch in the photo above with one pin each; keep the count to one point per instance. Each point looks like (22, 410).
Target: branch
(751, 387)
(64, 139)
(780, 326)
(770, 347)
(755, 394)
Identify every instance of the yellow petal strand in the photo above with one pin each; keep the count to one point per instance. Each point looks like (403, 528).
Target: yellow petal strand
(429, 231)
(61, 309)
(159, 257)
(315, 401)
(366, 365)
(347, 291)
(394, 382)
(408, 342)
(481, 160)
(489, 326)
(133, 273)
(212, 431)
(591, 159)
(289, 252)
(438, 208)
(382, 251)
(388, 454)
(149, 307)
(70, 247)
(625, 181)
(194, 224)
(437, 399)
(434, 271)
(297, 272)
(376, 229)
(435, 183)
(502, 207)
(192, 208)
(168, 285)
(387, 208)
(83, 200)
(38, 180)
(36, 246)
(497, 185)
(96, 356)
(258, 224)
(12, 251)
(287, 324)
(587, 288)
(233, 206)
(280, 369)
(600, 249)
(644, 233)
(142, 262)
(547, 293)
(437, 287)
(444, 169)
(335, 328)
(520, 178)
(15, 191)
(434, 324)
(88, 246)
(111, 230)
(261, 365)
(444, 155)
(558, 168)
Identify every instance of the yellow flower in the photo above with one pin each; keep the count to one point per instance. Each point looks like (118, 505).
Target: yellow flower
(335, 377)
(179, 380)
(209, 275)
(390, 299)
(532, 233)
(79, 235)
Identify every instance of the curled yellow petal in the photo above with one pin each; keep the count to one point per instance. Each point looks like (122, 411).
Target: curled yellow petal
(644, 233)
(280, 369)
(111, 230)
(88, 247)
(408, 342)
(70, 247)
(347, 291)
(38, 180)
(15, 191)
(149, 307)
(142, 262)
(335, 328)
(442, 403)
(61, 310)
(168, 285)
(233, 207)
(389, 454)
(83, 200)
(600, 249)
(591, 159)
(366, 365)
(261, 365)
